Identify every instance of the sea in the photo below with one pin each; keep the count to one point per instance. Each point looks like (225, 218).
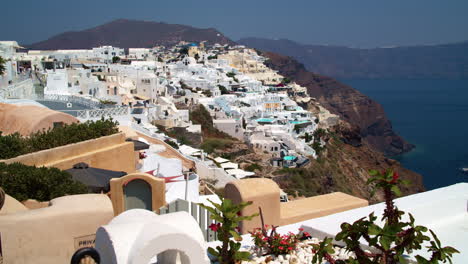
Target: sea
(431, 114)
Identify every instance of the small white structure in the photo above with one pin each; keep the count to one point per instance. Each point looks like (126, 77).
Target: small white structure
(139, 236)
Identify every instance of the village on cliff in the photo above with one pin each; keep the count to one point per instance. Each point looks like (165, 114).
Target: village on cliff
(148, 137)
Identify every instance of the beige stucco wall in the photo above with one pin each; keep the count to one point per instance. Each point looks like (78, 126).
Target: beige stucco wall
(51, 235)
(12, 206)
(265, 193)
(317, 206)
(109, 152)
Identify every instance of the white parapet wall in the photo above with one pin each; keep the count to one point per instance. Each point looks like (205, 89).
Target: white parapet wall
(141, 237)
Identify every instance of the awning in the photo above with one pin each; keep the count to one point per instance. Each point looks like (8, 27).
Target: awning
(138, 145)
(97, 180)
(229, 165)
(221, 160)
(141, 97)
(239, 174)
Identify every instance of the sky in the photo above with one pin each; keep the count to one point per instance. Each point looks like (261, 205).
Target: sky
(354, 23)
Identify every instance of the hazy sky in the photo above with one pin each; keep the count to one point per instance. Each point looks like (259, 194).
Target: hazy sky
(358, 23)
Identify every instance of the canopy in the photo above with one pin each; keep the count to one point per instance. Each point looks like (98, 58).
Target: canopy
(220, 160)
(138, 145)
(239, 174)
(96, 179)
(229, 165)
(187, 150)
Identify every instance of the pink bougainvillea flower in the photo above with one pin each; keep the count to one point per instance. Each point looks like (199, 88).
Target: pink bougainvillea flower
(280, 248)
(395, 177)
(214, 227)
(301, 229)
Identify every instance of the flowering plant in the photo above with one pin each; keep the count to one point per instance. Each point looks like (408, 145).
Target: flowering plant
(228, 215)
(273, 243)
(392, 241)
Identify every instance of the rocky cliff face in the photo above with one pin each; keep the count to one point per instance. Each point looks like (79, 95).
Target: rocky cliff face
(344, 166)
(351, 105)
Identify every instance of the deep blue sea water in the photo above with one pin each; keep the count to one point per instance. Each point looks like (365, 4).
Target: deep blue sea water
(431, 114)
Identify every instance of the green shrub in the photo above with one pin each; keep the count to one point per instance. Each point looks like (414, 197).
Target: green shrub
(253, 167)
(171, 143)
(15, 145)
(209, 145)
(24, 182)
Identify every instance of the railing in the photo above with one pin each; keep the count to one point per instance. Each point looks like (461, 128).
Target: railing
(22, 89)
(98, 113)
(91, 103)
(201, 215)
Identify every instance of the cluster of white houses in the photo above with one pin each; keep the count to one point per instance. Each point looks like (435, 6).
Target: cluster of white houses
(246, 99)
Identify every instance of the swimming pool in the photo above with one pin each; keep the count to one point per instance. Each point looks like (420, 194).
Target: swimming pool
(265, 120)
(288, 158)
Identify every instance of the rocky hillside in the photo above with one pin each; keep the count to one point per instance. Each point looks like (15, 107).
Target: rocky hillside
(351, 105)
(342, 166)
(424, 62)
(130, 34)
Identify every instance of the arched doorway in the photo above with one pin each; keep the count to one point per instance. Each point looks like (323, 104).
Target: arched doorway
(138, 194)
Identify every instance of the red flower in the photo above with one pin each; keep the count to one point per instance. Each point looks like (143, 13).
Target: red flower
(395, 177)
(306, 234)
(239, 213)
(290, 248)
(301, 229)
(214, 227)
(280, 248)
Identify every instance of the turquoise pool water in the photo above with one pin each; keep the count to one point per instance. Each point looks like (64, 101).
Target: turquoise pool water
(289, 158)
(298, 122)
(265, 120)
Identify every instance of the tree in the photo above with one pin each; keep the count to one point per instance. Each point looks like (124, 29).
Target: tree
(2, 65)
(115, 59)
(183, 51)
(223, 89)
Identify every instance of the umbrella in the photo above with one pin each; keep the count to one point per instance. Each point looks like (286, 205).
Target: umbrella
(96, 179)
(138, 145)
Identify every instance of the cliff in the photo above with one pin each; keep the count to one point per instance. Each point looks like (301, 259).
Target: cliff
(344, 167)
(351, 105)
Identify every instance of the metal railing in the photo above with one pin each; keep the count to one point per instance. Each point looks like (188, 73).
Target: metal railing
(88, 102)
(105, 112)
(22, 89)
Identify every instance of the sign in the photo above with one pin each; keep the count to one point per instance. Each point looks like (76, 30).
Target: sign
(85, 241)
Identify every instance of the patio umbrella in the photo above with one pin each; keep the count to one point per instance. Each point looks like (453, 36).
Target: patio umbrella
(97, 180)
(138, 145)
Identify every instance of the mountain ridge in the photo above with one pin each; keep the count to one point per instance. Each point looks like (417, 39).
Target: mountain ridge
(125, 33)
(442, 61)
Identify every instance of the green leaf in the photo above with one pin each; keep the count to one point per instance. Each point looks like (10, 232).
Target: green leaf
(213, 252)
(396, 190)
(374, 230)
(373, 173)
(385, 242)
(235, 235)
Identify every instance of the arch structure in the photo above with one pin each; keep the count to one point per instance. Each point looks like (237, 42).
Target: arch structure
(137, 190)
(137, 236)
